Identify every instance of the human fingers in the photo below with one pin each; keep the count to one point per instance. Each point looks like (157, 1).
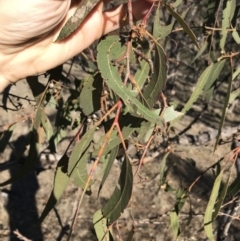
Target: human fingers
(97, 23)
(48, 54)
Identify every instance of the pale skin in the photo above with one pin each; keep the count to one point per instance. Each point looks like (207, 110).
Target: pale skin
(28, 30)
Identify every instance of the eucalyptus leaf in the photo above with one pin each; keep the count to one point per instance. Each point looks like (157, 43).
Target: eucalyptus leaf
(208, 217)
(78, 159)
(107, 167)
(228, 13)
(121, 195)
(184, 25)
(61, 180)
(224, 110)
(100, 226)
(108, 51)
(83, 9)
(159, 77)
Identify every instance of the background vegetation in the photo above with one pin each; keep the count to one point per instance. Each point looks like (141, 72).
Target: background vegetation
(131, 92)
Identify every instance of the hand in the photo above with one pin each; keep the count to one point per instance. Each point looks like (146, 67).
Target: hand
(29, 28)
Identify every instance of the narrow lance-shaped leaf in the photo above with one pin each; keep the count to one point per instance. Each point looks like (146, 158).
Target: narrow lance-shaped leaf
(208, 217)
(228, 13)
(200, 51)
(209, 75)
(234, 94)
(214, 74)
(174, 223)
(129, 124)
(142, 73)
(163, 173)
(78, 160)
(89, 99)
(80, 149)
(234, 188)
(46, 124)
(224, 110)
(79, 175)
(108, 51)
(160, 31)
(61, 180)
(184, 25)
(221, 197)
(159, 77)
(180, 201)
(177, 3)
(121, 195)
(236, 37)
(236, 73)
(84, 8)
(100, 226)
(108, 165)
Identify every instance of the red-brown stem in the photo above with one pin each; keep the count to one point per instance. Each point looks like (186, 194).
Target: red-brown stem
(130, 15)
(144, 154)
(118, 105)
(144, 21)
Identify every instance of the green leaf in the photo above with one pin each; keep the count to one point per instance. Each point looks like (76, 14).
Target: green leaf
(121, 195)
(90, 96)
(107, 166)
(221, 198)
(236, 73)
(224, 111)
(228, 13)
(60, 182)
(207, 78)
(163, 173)
(236, 37)
(234, 188)
(209, 75)
(213, 74)
(160, 31)
(200, 51)
(46, 124)
(78, 160)
(79, 174)
(108, 50)
(128, 125)
(101, 228)
(84, 8)
(208, 217)
(142, 73)
(177, 3)
(170, 114)
(184, 25)
(174, 223)
(234, 94)
(180, 201)
(159, 77)
(80, 149)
